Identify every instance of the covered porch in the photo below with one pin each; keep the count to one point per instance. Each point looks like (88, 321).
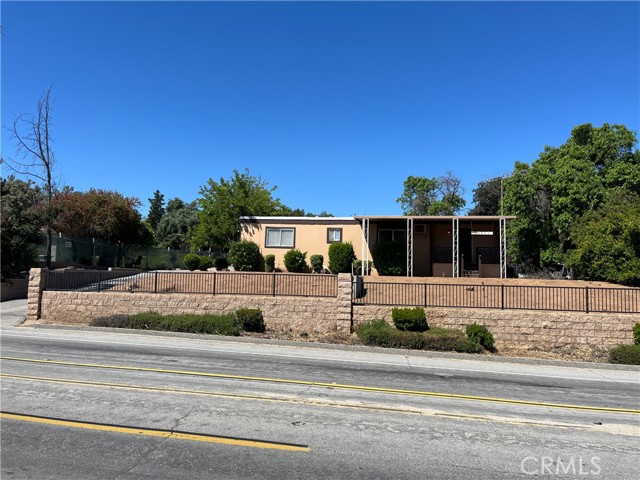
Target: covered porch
(442, 246)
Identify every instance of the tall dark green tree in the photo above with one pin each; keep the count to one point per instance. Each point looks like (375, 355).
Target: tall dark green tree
(156, 209)
(175, 227)
(487, 197)
(432, 196)
(22, 218)
(563, 184)
(222, 203)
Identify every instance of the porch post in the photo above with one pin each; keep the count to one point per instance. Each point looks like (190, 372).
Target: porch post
(365, 246)
(455, 224)
(409, 247)
(503, 248)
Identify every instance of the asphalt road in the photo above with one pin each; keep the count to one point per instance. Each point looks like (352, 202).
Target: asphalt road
(123, 405)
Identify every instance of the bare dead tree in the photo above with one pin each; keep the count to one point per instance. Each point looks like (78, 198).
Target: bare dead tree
(32, 134)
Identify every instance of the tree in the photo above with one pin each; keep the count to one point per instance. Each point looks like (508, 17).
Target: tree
(487, 197)
(33, 137)
(21, 217)
(562, 185)
(101, 214)
(175, 227)
(156, 209)
(607, 240)
(432, 196)
(224, 202)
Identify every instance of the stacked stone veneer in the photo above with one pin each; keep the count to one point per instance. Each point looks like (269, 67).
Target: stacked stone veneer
(297, 314)
(544, 330)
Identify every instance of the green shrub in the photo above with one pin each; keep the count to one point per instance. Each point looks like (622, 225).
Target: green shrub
(625, 354)
(191, 323)
(205, 263)
(410, 319)
(295, 261)
(192, 261)
(636, 334)
(245, 256)
(341, 256)
(380, 334)
(390, 258)
(317, 263)
(220, 263)
(270, 263)
(357, 267)
(481, 335)
(450, 340)
(250, 320)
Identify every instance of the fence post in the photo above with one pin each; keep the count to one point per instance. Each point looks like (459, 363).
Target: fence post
(99, 279)
(502, 296)
(274, 284)
(155, 283)
(215, 278)
(425, 296)
(586, 298)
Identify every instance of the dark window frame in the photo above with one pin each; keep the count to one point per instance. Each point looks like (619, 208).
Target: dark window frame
(329, 229)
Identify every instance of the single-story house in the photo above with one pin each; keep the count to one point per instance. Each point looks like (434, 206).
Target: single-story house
(452, 246)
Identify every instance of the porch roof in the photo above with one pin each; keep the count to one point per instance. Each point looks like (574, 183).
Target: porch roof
(433, 217)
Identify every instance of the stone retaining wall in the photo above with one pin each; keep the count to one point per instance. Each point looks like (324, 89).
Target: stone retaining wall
(297, 314)
(544, 330)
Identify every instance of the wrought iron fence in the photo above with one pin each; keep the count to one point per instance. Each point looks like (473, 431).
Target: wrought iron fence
(212, 283)
(515, 297)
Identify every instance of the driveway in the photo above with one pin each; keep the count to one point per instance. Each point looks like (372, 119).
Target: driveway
(13, 312)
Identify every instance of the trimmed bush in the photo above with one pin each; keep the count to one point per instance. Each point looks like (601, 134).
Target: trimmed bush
(449, 340)
(317, 263)
(341, 256)
(410, 319)
(192, 261)
(250, 320)
(481, 335)
(295, 261)
(390, 258)
(357, 267)
(636, 334)
(191, 323)
(270, 263)
(205, 263)
(220, 263)
(245, 256)
(625, 354)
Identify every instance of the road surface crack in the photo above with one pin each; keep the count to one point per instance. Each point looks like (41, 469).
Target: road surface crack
(145, 457)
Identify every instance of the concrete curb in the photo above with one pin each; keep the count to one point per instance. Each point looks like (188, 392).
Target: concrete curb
(351, 348)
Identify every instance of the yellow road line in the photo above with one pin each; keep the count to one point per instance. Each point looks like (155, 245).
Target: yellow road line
(297, 401)
(392, 391)
(195, 437)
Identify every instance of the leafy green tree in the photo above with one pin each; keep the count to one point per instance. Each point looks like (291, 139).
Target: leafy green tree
(607, 241)
(103, 215)
(224, 202)
(176, 225)
(156, 209)
(432, 196)
(562, 185)
(487, 197)
(22, 217)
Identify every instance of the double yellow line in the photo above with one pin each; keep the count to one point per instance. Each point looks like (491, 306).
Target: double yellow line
(391, 391)
(148, 432)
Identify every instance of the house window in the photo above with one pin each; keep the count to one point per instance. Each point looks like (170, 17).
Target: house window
(389, 235)
(334, 235)
(280, 237)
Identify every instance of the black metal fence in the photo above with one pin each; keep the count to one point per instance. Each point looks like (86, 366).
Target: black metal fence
(516, 297)
(212, 283)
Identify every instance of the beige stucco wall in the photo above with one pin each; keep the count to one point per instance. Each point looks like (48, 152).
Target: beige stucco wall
(310, 237)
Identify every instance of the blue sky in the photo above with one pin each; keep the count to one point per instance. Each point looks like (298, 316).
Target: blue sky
(335, 103)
